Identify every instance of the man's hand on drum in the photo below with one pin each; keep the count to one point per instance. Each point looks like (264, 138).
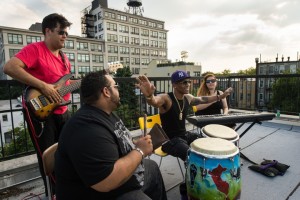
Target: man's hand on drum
(145, 86)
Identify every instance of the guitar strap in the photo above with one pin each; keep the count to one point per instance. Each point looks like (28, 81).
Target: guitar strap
(63, 59)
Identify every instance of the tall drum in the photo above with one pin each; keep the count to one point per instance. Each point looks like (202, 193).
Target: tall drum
(213, 170)
(220, 131)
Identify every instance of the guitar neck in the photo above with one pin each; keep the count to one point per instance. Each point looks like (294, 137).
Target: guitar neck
(69, 88)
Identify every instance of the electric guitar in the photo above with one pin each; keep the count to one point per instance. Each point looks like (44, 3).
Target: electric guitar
(40, 106)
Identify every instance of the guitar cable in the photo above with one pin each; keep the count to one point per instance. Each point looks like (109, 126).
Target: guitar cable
(29, 121)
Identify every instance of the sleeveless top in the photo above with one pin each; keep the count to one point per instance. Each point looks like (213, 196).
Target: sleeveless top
(170, 119)
(213, 109)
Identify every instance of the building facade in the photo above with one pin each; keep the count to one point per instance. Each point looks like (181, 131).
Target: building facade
(85, 54)
(264, 85)
(128, 37)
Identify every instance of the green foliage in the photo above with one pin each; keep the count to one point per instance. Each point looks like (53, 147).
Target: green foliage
(15, 91)
(285, 89)
(21, 142)
(249, 71)
(129, 101)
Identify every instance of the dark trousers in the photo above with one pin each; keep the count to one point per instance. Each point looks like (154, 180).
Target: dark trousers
(153, 188)
(43, 135)
(178, 146)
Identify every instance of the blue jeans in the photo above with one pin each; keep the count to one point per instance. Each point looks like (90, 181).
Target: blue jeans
(154, 187)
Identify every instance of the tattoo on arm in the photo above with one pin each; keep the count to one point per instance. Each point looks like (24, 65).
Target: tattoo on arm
(199, 100)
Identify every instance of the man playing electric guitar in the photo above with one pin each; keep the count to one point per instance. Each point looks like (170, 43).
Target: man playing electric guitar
(40, 65)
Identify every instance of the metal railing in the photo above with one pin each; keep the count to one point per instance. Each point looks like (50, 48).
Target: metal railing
(271, 93)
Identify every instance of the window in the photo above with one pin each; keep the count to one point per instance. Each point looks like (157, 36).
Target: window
(13, 52)
(145, 32)
(143, 22)
(112, 38)
(99, 15)
(135, 51)
(96, 47)
(69, 44)
(160, 26)
(71, 56)
(135, 30)
(111, 26)
(8, 137)
(83, 69)
(162, 35)
(83, 57)
(125, 60)
(97, 58)
(32, 39)
(123, 28)
(110, 15)
(154, 34)
(97, 68)
(151, 24)
(133, 20)
(124, 39)
(112, 59)
(100, 27)
(122, 17)
(124, 50)
(15, 38)
(144, 42)
(135, 40)
(4, 118)
(145, 52)
(112, 49)
(82, 46)
(145, 61)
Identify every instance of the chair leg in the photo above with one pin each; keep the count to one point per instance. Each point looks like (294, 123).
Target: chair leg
(180, 168)
(160, 162)
(48, 185)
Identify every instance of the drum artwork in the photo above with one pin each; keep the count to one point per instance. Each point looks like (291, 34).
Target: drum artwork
(213, 170)
(220, 131)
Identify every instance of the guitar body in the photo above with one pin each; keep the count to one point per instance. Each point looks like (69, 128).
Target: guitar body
(40, 106)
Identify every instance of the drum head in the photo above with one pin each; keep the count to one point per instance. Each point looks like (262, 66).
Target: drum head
(219, 131)
(214, 147)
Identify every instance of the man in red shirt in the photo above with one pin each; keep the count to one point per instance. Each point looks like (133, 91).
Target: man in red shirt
(40, 65)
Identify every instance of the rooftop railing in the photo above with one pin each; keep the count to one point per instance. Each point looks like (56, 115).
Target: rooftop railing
(273, 93)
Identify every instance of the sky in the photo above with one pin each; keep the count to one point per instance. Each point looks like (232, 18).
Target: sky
(218, 34)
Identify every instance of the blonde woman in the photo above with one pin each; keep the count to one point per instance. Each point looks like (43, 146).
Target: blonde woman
(208, 88)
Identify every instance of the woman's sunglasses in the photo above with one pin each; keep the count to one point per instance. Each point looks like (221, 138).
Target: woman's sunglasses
(211, 81)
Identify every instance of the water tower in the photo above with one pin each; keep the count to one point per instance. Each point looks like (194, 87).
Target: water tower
(135, 7)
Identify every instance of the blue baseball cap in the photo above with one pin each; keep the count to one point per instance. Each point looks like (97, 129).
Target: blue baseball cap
(179, 75)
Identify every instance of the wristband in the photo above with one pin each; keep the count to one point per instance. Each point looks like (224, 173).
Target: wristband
(150, 97)
(141, 152)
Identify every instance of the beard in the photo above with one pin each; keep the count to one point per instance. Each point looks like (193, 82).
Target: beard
(116, 100)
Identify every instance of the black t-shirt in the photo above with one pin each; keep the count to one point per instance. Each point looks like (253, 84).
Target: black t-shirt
(89, 145)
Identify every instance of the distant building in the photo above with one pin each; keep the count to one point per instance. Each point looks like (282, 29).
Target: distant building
(85, 54)
(264, 92)
(129, 37)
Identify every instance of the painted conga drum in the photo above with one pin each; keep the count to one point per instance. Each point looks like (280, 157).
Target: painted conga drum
(213, 170)
(220, 131)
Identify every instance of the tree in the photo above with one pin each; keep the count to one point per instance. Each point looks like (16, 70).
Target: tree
(283, 90)
(20, 143)
(249, 71)
(129, 101)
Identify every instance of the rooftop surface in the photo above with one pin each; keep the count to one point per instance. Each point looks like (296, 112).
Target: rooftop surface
(278, 139)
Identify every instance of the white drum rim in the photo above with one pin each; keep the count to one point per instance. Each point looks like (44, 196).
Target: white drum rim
(234, 140)
(215, 156)
(214, 147)
(232, 137)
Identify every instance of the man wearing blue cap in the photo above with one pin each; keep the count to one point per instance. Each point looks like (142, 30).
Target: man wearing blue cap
(173, 109)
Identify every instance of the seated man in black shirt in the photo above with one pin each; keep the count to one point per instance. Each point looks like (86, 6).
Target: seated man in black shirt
(96, 158)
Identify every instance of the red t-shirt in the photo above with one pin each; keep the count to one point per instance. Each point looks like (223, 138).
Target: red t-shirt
(43, 64)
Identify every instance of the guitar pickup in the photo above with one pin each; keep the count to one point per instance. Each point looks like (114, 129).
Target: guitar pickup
(35, 104)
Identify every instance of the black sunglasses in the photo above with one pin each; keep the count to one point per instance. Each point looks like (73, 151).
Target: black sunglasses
(185, 82)
(211, 81)
(63, 32)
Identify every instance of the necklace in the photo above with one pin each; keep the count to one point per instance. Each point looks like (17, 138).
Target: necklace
(180, 109)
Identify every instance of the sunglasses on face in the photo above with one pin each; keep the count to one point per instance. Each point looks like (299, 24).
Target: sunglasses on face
(115, 86)
(62, 32)
(211, 81)
(185, 82)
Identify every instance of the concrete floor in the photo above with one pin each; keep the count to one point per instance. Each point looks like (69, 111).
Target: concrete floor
(274, 140)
